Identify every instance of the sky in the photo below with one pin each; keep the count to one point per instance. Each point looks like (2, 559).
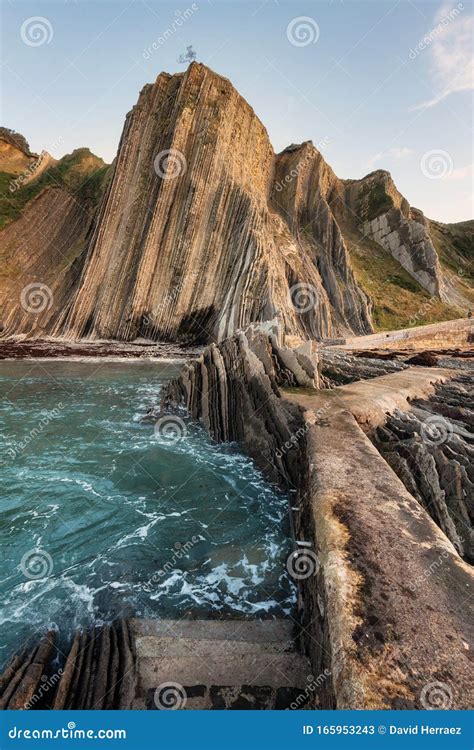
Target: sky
(375, 85)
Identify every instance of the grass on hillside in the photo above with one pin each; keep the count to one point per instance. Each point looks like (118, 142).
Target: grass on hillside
(398, 300)
(81, 173)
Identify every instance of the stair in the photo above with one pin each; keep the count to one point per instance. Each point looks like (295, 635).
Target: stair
(219, 664)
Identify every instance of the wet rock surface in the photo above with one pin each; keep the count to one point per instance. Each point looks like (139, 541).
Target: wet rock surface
(233, 390)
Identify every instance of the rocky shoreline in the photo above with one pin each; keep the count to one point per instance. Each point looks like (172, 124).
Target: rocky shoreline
(57, 349)
(368, 558)
(383, 612)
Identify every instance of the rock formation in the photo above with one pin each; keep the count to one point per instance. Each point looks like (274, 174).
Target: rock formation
(402, 231)
(233, 390)
(368, 557)
(431, 449)
(200, 229)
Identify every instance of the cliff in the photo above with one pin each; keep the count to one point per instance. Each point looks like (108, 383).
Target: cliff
(199, 229)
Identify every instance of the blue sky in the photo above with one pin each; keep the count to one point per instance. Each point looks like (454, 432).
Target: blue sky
(359, 84)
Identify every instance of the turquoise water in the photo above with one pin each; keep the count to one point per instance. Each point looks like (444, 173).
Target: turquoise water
(103, 516)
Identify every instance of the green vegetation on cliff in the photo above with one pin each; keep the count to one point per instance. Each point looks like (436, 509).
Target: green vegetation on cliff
(81, 173)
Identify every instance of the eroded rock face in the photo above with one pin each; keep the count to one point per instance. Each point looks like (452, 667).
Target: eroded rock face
(233, 390)
(197, 250)
(402, 231)
(431, 449)
(42, 255)
(202, 230)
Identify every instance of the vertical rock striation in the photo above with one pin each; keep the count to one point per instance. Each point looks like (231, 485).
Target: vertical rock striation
(188, 245)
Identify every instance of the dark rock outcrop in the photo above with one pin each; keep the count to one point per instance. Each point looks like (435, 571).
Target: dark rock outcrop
(233, 390)
(431, 448)
(99, 672)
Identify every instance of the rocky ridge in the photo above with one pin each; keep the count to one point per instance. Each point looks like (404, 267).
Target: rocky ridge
(199, 229)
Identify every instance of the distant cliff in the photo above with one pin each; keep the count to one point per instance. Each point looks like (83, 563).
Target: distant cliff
(199, 229)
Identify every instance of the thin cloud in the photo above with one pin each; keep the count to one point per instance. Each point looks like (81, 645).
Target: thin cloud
(450, 47)
(391, 154)
(461, 173)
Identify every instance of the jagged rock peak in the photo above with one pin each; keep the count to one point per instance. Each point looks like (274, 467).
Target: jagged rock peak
(188, 244)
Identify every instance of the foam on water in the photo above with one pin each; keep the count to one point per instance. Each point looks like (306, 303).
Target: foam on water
(132, 525)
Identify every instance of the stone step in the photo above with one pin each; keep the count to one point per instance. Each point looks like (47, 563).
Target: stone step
(258, 631)
(228, 697)
(273, 670)
(219, 664)
(215, 648)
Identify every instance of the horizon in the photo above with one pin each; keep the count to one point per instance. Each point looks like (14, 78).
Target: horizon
(409, 119)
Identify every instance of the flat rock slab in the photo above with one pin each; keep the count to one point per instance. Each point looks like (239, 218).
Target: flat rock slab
(399, 597)
(257, 631)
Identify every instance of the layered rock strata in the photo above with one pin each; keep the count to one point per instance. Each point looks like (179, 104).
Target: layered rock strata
(431, 449)
(42, 256)
(187, 244)
(233, 390)
(387, 218)
(203, 229)
(22, 683)
(361, 585)
(98, 673)
(341, 367)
